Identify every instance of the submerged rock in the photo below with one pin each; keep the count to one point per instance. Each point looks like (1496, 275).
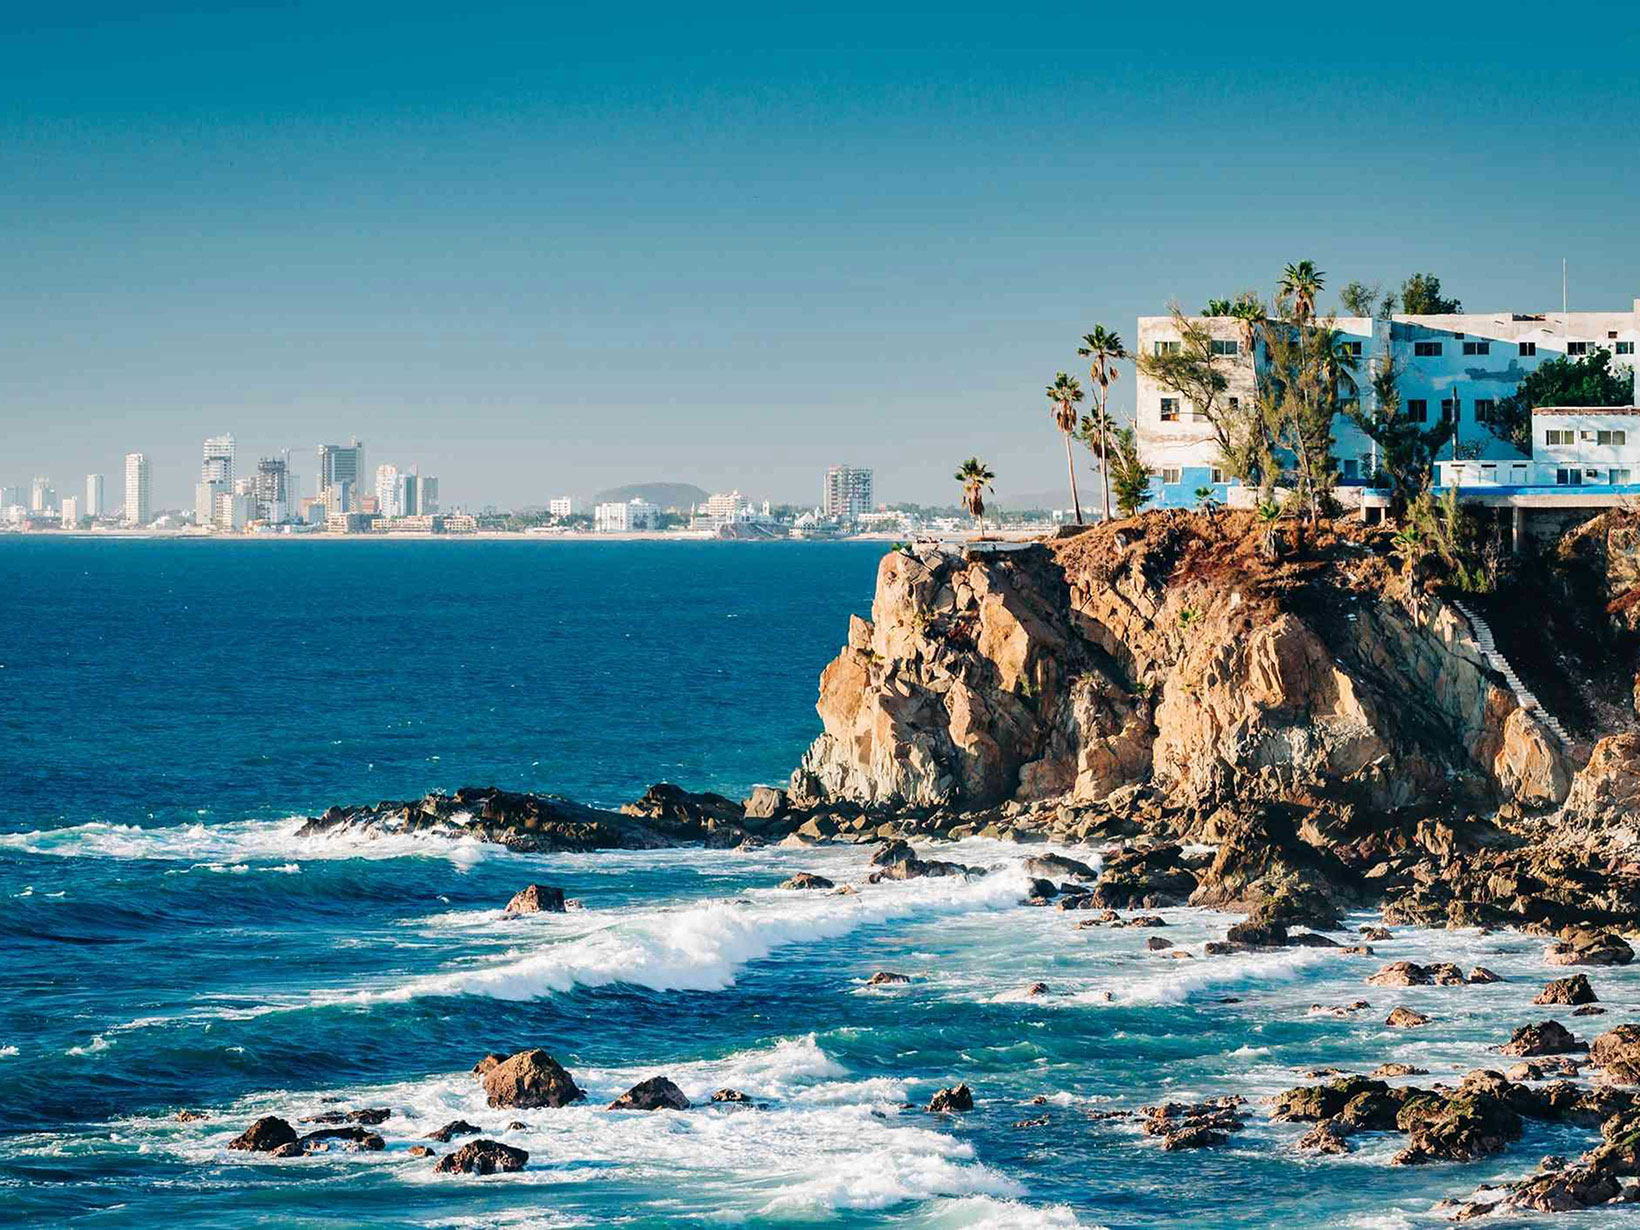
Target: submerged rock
(656, 1093)
(452, 1129)
(482, 1157)
(807, 880)
(730, 1095)
(529, 1079)
(884, 977)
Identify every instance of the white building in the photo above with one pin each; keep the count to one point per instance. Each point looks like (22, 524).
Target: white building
(94, 505)
(389, 498)
(848, 492)
(725, 506)
(71, 513)
(216, 464)
(1572, 446)
(234, 510)
(206, 495)
(136, 489)
(42, 496)
(562, 506)
(627, 518)
(1455, 367)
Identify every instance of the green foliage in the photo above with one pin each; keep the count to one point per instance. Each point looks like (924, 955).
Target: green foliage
(1587, 381)
(1102, 348)
(1217, 307)
(976, 478)
(1421, 296)
(1309, 378)
(1130, 478)
(1406, 450)
(1063, 395)
(1446, 529)
(1301, 282)
(1366, 299)
(1189, 618)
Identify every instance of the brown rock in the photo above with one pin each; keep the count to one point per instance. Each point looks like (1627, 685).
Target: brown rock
(265, 1135)
(482, 1157)
(956, 1098)
(420, 1151)
(1400, 974)
(452, 1129)
(1544, 1038)
(536, 899)
(1573, 990)
(1405, 1018)
(730, 1095)
(530, 1079)
(1480, 974)
(656, 1093)
(885, 977)
(807, 879)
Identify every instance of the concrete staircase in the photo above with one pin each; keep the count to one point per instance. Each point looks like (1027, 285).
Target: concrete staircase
(1488, 645)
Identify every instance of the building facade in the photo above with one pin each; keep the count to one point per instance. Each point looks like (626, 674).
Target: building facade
(848, 492)
(94, 505)
(627, 518)
(42, 496)
(562, 506)
(387, 491)
(1449, 367)
(71, 513)
(340, 464)
(216, 463)
(270, 491)
(136, 489)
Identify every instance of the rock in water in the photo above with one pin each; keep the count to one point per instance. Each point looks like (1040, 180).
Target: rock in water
(529, 1079)
(807, 879)
(656, 1093)
(1618, 1052)
(265, 1135)
(955, 1098)
(1583, 947)
(1573, 990)
(1406, 1018)
(884, 977)
(536, 899)
(1544, 1038)
(482, 1157)
(1400, 974)
(489, 1061)
(1057, 866)
(452, 1129)
(730, 1095)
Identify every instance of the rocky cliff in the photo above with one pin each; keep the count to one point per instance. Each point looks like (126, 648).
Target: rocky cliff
(1166, 652)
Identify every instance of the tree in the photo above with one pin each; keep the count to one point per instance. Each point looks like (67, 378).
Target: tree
(1102, 348)
(1301, 282)
(1309, 380)
(975, 477)
(1421, 296)
(1217, 307)
(1406, 450)
(1589, 381)
(1364, 299)
(1130, 474)
(1064, 394)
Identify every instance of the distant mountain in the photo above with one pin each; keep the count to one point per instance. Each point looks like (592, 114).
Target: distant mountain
(664, 495)
(1025, 501)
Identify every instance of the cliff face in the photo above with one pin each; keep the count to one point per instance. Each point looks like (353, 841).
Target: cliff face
(1164, 651)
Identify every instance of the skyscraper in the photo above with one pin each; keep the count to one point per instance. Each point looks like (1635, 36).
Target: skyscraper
(217, 466)
(94, 506)
(340, 467)
(136, 489)
(389, 500)
(42, 496)
(847, 492)
(71, 513)
(271, 490)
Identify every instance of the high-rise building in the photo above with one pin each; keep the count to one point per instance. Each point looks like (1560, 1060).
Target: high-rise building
(42, 497)
(217, 465)
(94, 506)
(340, 464)
(136, 489)
(271, 490)
(561, 506)
(71, 513)
(338, 498)
(11, 497)
(389, 495)
(848, 492)
(427, 496)
(206, 495)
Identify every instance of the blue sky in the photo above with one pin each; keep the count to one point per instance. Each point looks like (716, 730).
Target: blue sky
(549, 248)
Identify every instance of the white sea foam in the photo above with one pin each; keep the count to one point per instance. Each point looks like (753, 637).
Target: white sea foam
(7, 1052)
(227, 847)
(1182, 979)
(98, 1043)
(993, 1214)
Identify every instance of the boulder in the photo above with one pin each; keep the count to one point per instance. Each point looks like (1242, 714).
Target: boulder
(265, 1135)
(1036, 990)
(884, 977)
(420, 1151)
(1573, 990)
(1400, 974)
(1327, 1136)
(536, 899)
(807, 880)
(1544, 1038)
(1618, 1052)
(1259, 934)
(1480, 975)
(1041, 890)
(1405, 1018)
(955, 1098)
(730, 1095)
(1584, 947)
(656, 1093)
(530, 1079)
(766, 803)
(452, 1129)
(1466, 1126)
(482, 1157)
(1398, 1069)
(354, 1138)
(1156, 943)
(1058, 867)
(489, 1061)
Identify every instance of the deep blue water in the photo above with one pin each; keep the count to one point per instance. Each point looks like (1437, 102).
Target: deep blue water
(166, 707)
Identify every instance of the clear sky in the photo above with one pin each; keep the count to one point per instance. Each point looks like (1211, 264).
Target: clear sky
(547, 248)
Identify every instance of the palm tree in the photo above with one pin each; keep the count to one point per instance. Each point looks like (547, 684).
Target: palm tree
(1063, 394)
(1103, 347)
(1217, 307)
(975, 477)
(1250, 312)
(1300, 285)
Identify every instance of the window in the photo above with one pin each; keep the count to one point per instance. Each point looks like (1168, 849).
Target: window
(1352, 468)
(1218, 475)
(1625, 347)
(1569, 478)
(1418, 410)
(1231, 347)
(1353, 348)
(1577, 347)
(1528, 349)
(1167, 347)
(1235, 403)
(1170, 409)
(1170, 474)
(1611, 334)
(1489, 473)
(1558, 437)
(1477, 347)
(1426, 350)
(1622, 478)
(1486, 410)
(1449, 407)
(1612, 438)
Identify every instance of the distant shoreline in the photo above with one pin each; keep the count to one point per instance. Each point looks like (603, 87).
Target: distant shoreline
(481, 536)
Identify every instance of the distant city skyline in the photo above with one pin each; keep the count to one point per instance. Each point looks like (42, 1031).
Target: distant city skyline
(550, 248)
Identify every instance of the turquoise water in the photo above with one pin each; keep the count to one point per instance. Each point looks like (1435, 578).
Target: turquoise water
(168, 707)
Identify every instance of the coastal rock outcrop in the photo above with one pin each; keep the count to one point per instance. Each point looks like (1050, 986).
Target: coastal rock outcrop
(536, 899)
(530, 1079)
(482, 1157)
(656, 1093)
(265, 1135)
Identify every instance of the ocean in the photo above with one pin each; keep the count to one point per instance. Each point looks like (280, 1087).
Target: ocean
(168, 710)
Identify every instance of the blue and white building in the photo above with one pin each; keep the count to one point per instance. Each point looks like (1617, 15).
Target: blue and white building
(1456, 367)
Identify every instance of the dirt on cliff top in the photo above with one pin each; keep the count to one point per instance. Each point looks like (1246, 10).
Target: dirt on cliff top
(1179, 546)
